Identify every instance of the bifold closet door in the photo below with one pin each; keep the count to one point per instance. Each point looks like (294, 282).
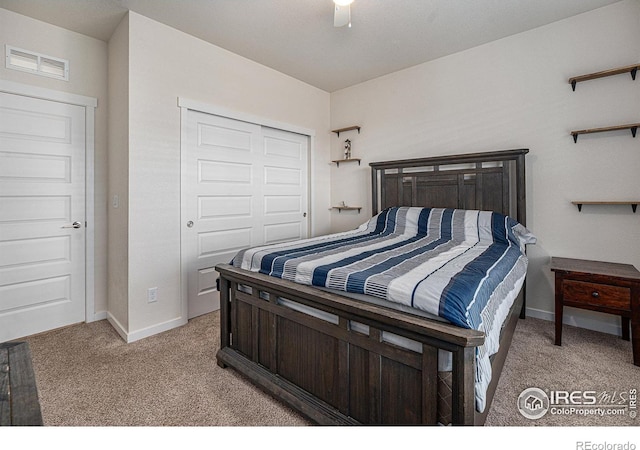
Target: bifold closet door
(246, 185)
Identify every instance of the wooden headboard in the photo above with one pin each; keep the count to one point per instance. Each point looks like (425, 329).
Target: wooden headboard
(491, 181)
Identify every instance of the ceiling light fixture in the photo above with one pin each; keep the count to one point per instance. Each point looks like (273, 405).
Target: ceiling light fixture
(342, 14)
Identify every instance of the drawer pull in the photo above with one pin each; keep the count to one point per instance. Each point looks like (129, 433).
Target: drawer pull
(595, 294)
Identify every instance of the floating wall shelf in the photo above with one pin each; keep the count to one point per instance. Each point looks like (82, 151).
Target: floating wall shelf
(634, 204)
(338, 161)
(340, 130)
(347, 208)
(633, 69)
(633, 127)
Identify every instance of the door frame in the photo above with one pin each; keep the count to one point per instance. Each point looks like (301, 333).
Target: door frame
(89, 104)
(186, 104)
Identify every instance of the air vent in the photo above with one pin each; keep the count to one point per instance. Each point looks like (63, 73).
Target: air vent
(36, 63)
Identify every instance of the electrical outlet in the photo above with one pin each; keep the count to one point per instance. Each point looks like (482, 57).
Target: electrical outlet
(152, 295)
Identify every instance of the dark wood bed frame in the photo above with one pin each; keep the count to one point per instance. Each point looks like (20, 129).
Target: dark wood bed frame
(333, 374)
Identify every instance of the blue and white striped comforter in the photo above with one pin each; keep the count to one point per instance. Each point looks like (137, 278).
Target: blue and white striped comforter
(464, 266)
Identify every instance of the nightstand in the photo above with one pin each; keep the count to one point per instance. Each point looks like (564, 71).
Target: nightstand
(599, 286)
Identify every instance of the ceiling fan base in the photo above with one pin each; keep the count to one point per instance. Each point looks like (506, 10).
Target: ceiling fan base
(342, 16)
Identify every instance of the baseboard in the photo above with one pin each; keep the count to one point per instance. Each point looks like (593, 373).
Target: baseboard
(155, 329)
(117, 326)
(145, 332)
(579, 318)
(101, 315)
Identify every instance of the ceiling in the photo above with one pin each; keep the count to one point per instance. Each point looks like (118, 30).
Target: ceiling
(297, 37)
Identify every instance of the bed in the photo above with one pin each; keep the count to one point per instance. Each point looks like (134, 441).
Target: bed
(349, 358)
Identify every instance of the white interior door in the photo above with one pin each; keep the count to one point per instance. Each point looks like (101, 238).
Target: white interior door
(42, 196)
(245, 185)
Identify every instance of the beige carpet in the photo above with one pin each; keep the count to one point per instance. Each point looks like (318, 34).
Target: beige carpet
(87, 375)
(586, 361)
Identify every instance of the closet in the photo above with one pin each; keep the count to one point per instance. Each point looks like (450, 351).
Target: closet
(245, 184)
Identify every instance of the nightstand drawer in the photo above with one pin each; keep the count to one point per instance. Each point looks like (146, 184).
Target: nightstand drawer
(597, 294)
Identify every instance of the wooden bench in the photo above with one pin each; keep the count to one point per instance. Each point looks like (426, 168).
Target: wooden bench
(19, 404)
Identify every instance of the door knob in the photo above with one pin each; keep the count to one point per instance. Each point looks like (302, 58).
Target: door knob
(75, 224)
(190, 223)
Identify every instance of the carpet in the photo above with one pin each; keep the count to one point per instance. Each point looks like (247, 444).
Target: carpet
(88, 376)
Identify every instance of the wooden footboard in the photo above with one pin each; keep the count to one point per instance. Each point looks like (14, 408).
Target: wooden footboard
(335, 364)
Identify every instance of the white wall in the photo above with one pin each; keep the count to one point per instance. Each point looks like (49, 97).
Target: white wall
(165, 64)
(513, 93)
(87, 76)
(118, 256)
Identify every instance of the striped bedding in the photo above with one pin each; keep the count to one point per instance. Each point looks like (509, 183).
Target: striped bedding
(464, 266)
